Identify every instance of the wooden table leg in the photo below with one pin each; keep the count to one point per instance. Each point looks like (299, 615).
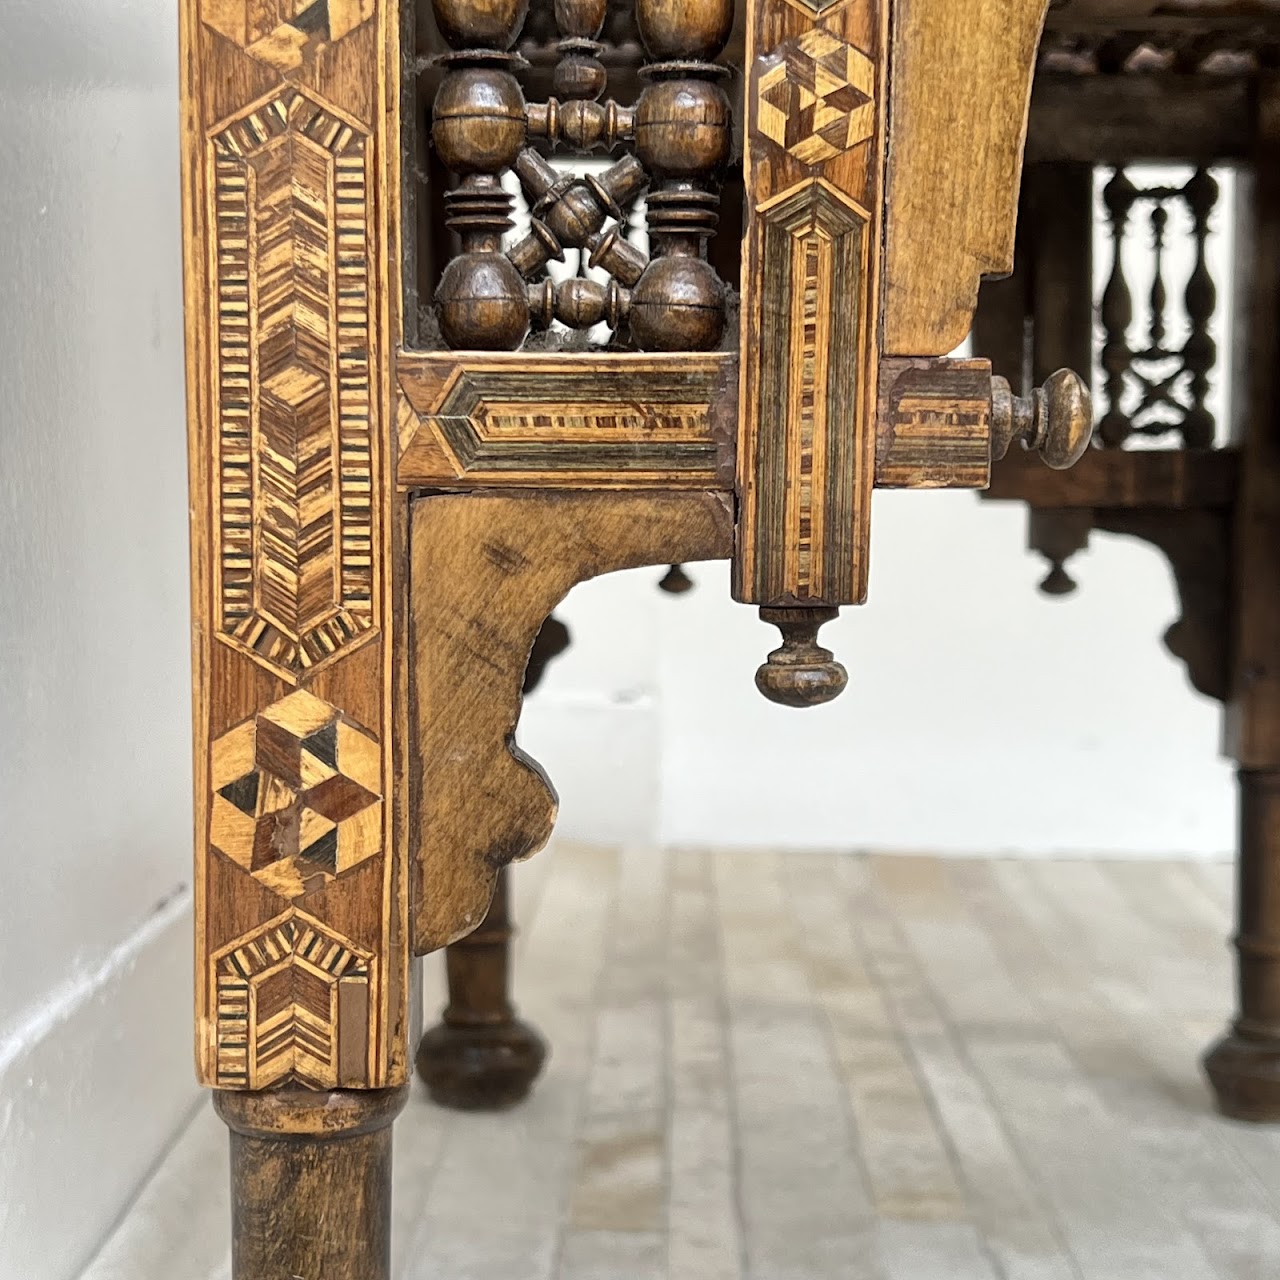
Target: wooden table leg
(1244, 1068)
(480, 1056)
(311, 1182)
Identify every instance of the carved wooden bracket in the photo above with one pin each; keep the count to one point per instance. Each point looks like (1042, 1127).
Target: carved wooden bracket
(488, 568)
(1179, 500)
(1198, 547)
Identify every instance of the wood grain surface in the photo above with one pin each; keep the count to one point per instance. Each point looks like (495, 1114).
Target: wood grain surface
(487, 569)
(962, 76)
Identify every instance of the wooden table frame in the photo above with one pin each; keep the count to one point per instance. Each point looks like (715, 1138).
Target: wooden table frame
(379, 532)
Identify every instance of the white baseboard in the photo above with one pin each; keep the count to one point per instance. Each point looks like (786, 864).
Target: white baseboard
(93, 1087)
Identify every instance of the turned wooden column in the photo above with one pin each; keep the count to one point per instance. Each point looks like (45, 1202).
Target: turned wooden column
(1244, 1067)
(311, 1182)
(1258, 939)
(480, 1056)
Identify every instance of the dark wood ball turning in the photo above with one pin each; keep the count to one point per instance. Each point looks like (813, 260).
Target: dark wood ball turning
(478, 123)
(678, 305)
(482, 303)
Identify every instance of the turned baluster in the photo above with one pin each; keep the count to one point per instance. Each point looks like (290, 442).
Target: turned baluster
(579, 74)
(683, 132)
(478, 129)
(1200, 353)
(1117, 314)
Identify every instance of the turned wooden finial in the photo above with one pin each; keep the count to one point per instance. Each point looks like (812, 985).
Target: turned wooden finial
(801, 673)
(675, 582)
(1055, 420)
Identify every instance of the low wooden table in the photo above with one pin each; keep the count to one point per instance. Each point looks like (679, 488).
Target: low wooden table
(420, 413)
(1118, 84)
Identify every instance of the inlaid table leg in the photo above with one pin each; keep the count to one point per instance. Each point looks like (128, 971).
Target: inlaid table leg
(299, 568)
(311, 1182)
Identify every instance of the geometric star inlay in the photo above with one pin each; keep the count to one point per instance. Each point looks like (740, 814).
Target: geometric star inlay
(297, 795)
(285, 33)
(820, 99)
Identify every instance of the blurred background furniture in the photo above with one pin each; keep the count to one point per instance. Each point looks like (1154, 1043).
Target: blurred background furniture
(1119, 87)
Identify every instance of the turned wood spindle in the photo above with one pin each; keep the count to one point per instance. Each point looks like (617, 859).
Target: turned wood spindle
(579, 73)
(570, 212)
(801, 673)
(1200, 352)
(684, 137)
(1117, 315)
(478, 127)
(311, 1182)
(480, 1056)
(480, 24)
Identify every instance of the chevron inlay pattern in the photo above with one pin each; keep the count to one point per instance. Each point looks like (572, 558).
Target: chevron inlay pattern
(291, 210)
(812, 246)
(292, 1005)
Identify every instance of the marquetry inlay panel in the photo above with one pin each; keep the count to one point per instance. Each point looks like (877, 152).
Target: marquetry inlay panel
(290, 216)
(297, 795)
(625, 420)
(818, 99)
(933, 428)
(809, 351)
(285, 34)
(292, 1003)
(814, 248)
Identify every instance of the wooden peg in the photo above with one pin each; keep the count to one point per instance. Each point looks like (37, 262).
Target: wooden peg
(1056, 420)
(801, 673)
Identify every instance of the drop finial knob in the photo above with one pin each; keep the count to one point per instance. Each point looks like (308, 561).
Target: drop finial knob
(1055, 420)
(801, 673)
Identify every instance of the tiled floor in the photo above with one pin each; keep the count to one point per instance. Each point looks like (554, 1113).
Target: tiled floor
(809, 1068)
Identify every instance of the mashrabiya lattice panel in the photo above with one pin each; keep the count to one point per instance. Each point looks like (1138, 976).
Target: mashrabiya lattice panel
(295, 417)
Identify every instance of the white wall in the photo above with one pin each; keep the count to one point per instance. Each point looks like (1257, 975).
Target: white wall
(95, 1066)
(980, 716)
